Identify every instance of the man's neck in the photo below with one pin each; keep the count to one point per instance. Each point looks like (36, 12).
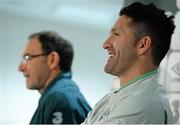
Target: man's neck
(52, 76)
(132, 74)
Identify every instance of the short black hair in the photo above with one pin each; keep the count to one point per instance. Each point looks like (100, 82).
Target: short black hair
(148, 20)
(50, 42)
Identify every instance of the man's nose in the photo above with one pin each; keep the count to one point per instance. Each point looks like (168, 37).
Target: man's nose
(107, 43)
(22, 67)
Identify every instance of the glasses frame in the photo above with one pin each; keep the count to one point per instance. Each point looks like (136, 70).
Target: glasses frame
(27, 57)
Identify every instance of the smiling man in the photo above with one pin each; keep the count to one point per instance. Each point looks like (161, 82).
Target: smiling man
(46, 65)
(138, 42)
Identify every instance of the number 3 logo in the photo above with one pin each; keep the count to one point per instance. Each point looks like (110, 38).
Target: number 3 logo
(57, 118)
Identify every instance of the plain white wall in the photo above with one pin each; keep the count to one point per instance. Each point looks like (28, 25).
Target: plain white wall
(0, 68)
(19, 103)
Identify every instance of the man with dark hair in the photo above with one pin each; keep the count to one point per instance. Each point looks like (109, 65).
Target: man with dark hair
(46, 65)
(138, 42)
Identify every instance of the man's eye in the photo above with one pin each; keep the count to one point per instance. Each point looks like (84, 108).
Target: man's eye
(116, 34)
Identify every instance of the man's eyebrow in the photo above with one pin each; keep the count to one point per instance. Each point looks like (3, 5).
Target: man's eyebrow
(116, 30)
(112, 29)
(24, 54)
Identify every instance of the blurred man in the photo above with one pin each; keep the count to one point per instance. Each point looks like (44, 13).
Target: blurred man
(138, 42)
(46, 65)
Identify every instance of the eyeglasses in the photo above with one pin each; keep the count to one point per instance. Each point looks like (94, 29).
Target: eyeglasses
(28, 57)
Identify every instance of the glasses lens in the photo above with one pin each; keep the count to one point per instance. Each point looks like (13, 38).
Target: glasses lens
(25, 58)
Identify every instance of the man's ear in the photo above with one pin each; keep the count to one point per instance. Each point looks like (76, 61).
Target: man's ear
(144, 45)
(53, 60)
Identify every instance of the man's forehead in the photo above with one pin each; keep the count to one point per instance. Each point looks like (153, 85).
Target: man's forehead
(122, 23)
(32, 46)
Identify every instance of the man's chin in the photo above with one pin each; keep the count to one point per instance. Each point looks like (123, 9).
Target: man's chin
(109, 71)
(30, 87)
